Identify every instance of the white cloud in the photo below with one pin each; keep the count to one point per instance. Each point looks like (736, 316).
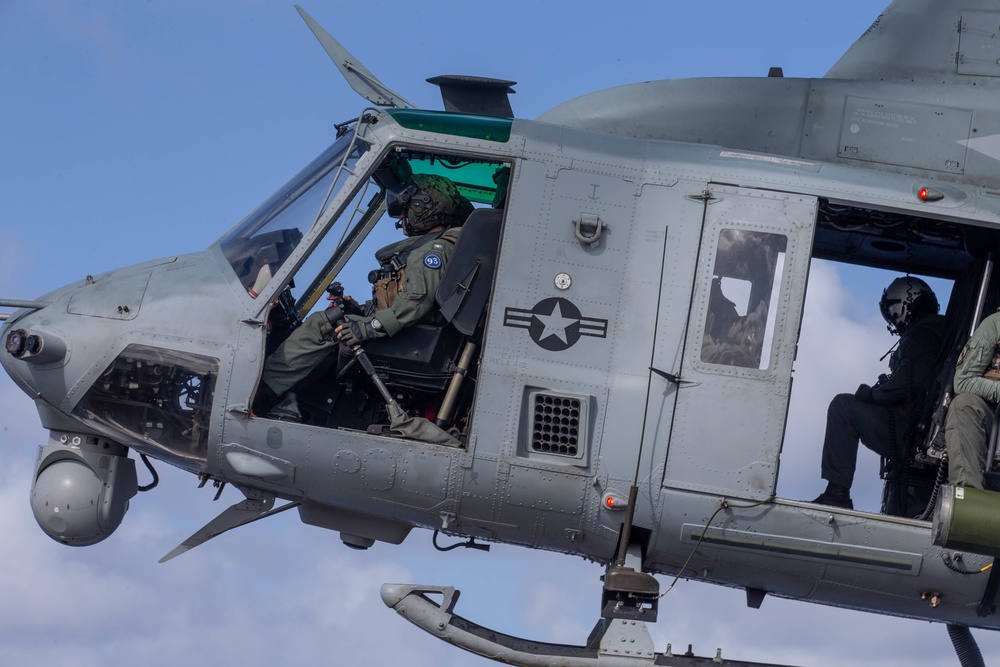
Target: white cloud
(837, 352)
(278, 592)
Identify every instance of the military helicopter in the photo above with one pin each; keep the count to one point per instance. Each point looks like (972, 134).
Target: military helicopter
(113, 364)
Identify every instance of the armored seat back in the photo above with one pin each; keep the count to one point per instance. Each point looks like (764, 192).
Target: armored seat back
(423, 355)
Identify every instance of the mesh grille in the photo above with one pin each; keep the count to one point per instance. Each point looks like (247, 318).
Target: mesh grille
(556, 425)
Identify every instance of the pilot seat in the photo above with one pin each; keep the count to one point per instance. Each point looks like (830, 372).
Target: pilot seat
(429, 366)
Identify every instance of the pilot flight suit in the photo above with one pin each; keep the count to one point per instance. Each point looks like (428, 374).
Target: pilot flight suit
(877, 416)
(308, 345)
(970, 414)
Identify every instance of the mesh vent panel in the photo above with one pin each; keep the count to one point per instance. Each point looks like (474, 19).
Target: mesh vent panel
(556, 427)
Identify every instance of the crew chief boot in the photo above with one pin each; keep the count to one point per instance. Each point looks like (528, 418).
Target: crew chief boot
(835, 496)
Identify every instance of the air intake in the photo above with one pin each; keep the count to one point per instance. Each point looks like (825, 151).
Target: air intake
(558, 424)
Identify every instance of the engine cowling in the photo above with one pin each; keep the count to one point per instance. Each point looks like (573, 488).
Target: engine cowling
(82, 487)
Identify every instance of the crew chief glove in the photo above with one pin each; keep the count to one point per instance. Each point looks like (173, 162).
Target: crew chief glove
(356, 332)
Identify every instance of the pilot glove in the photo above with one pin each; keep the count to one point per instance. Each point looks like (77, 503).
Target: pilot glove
(335, 290)
(335, 316)
(864, 394)
(355, 332)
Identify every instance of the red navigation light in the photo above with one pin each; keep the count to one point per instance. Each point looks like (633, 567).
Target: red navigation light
(612, 501)
(927, 194)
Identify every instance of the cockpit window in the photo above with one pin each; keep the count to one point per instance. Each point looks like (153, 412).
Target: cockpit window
(258, 246)
(480, 182)
(362, 254)
(356, 235)
(158, 398)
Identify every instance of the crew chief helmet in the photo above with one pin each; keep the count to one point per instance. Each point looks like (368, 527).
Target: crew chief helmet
(906, 301)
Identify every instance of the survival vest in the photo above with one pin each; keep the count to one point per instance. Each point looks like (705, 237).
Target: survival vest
(387, 282)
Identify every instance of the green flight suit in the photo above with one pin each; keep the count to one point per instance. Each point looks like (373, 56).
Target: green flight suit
(970, 415)
(424, 266)
(311, 343)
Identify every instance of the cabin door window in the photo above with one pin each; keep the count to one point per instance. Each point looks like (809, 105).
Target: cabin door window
(739, 326)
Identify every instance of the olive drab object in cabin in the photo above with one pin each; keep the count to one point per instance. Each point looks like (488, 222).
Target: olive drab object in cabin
(992, 371)
(389, 279)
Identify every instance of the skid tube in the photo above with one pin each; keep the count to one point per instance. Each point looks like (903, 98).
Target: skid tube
(612, 643)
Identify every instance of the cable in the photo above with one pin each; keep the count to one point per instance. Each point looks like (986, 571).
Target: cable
(938, 482)
(954, 564)
(152, 471)
(724, 505)
(471, 544)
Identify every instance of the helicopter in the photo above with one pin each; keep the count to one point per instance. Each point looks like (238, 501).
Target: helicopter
(516, 314)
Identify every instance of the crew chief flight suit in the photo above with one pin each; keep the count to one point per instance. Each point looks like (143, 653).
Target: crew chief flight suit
(970, 414)
(877, 420)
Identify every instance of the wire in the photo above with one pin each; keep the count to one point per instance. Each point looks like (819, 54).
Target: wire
(954, 564)
(471, 544)
(152, 471)
(724, 505)
(942, 471)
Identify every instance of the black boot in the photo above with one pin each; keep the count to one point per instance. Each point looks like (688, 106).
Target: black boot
(263, 401)
(836, 496)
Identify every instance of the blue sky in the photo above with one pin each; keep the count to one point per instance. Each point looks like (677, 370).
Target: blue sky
(130, 131)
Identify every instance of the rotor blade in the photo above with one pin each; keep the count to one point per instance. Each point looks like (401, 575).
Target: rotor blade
(358, 77)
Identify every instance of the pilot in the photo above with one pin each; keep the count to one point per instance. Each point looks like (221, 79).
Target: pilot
(430, 210)
(877, 415)
(970, 414)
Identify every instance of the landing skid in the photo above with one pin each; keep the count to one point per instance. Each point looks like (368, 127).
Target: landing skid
(612, 643)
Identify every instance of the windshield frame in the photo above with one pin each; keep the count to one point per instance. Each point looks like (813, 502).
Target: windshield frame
(352, 206)
(261, 256)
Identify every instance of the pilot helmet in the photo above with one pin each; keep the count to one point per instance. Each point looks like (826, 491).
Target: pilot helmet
(427, 201)
(906, 301)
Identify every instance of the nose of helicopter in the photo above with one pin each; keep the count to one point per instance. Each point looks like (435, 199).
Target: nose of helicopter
(60, 343)
(32, 346)
(132, 355)
(41, 344)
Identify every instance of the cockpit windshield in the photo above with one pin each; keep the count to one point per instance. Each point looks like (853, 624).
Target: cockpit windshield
(258, 246)
(358, 262)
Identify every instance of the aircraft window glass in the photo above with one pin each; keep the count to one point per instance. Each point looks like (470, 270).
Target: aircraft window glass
(258, 246)
(343, 242)
(417, 368)
(348, 254)
(740, 324)
(159, 397)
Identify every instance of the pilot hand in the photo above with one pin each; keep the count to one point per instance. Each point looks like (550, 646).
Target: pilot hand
(355, 332)
(335, 293)
(864, 394)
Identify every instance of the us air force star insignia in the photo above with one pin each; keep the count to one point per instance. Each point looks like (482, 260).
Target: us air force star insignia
(555, 324)
(432, 261)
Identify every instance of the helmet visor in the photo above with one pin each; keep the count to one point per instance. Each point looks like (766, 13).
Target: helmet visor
(397, 199)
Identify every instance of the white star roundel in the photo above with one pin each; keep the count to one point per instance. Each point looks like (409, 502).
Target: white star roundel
(555, 324)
